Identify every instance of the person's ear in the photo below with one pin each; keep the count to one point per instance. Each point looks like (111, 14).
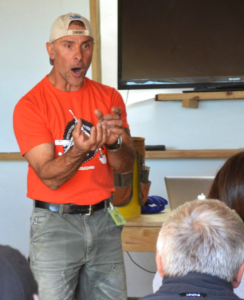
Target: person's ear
(238, 277)
(50, 50)
(159, 264)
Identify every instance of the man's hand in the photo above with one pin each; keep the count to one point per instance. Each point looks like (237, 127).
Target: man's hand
(112, 122)
(99, 135)
(121, 161)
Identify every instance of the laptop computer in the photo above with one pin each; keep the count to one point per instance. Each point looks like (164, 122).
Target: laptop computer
(186, 188)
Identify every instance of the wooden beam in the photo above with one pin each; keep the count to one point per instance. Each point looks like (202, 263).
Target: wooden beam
(5, 156)
(190, 100)
(95, 21)
(190, 103)
(217, 153)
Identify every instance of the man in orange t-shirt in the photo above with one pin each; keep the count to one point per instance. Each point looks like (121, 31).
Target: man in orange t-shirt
(73, 131)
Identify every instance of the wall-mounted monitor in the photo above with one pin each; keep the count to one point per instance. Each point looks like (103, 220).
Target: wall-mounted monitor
(181, 44)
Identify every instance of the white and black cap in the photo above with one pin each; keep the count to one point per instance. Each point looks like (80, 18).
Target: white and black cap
(60, 27)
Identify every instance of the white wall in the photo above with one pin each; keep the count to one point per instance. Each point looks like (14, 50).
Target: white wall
(214, 125)
(25, 29)
(15, 207)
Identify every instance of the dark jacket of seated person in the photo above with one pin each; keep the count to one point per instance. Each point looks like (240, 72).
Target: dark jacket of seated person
(16, 279)
(200, 252)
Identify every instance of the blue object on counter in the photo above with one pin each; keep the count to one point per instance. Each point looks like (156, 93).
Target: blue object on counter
(154, 204)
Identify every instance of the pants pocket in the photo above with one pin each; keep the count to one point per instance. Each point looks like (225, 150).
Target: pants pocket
(38, 221)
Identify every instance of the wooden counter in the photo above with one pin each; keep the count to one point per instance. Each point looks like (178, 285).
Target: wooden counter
(140, 234)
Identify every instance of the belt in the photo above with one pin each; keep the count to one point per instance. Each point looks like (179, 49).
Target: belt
(72, 208)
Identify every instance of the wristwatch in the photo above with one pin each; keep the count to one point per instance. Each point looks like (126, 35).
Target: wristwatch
(116, 146)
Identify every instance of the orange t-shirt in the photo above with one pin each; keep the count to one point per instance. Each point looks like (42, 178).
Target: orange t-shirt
(47, 114)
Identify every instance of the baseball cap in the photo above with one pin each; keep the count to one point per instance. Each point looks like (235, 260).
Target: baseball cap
(16, 278)
(61, 25)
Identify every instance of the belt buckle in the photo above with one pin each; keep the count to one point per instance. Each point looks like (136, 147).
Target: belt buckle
(90, 210)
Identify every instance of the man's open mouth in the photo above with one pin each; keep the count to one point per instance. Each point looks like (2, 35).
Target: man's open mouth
(77, 71)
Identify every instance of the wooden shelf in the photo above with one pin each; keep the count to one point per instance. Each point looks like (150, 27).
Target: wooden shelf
(8, 156)
(190, 100)
(217, 153)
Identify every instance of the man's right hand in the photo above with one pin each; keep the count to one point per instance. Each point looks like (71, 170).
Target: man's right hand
(99, 135)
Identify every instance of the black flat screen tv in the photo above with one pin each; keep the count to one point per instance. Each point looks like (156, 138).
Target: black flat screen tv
(170, 44)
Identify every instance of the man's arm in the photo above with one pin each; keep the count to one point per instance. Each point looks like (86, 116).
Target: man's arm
(52, 171)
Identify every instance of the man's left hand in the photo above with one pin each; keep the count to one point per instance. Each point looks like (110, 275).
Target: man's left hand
(113, 122)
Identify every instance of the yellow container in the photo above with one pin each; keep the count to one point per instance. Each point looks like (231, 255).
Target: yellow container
(133, 209)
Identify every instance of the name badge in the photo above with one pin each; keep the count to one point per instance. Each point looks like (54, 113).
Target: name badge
(116, 215)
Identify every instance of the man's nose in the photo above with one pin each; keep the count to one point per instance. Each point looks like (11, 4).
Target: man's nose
(78, 54)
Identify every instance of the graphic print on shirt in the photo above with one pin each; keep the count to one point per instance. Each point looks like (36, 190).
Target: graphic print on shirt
(68, 142)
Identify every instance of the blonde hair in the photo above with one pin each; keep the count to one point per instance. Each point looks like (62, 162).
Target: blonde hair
(202, 236)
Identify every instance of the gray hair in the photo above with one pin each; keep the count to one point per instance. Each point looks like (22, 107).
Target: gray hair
(202, 236)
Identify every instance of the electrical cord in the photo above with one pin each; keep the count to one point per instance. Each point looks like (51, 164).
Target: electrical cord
(139, 265)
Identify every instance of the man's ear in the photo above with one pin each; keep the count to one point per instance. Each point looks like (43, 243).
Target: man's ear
(238, 277)
(50, 50)
(159, 264)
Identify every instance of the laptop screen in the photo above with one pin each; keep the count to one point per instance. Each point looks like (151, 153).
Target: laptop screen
(181, 189)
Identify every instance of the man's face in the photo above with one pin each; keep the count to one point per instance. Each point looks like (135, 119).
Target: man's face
(72, 57)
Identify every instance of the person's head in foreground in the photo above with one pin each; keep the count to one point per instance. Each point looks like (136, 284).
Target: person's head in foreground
(200, 250)
(228, 184)
(16, 279)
